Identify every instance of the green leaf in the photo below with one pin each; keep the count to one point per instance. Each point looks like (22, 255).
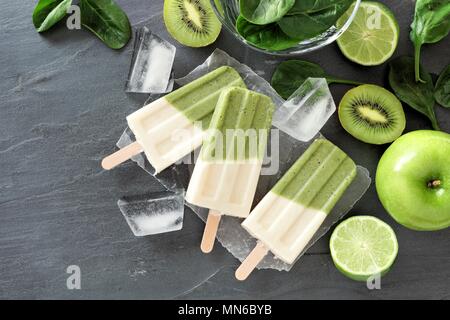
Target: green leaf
(442, 88)
(48, 12)
(418, 95)
(308, 6)
(264, 11)
(431, 24)
(268, 37)
(306, 25)
(107, 21)
(291, 74)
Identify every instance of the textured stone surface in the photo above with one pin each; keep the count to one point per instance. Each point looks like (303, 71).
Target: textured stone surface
(63, 107)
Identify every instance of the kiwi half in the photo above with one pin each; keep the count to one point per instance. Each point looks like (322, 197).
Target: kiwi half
(372, 114)
(191, 22)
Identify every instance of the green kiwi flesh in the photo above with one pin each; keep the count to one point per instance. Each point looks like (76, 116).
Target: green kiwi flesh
(193, 23)
(372, 114)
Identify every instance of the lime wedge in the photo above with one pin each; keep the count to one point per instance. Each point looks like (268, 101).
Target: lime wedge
(363, 246)
(372, 37)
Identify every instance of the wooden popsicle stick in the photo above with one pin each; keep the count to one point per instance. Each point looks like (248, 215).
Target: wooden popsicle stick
(209, 235)
(252, 260)
(121, 156)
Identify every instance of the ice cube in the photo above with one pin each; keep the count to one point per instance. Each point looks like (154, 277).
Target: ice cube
(151, 65)
(155, 213)
(306, 111)
(171, 83)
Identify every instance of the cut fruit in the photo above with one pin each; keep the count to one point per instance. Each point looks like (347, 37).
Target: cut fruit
(372, 114)
(372, 36)
(193, 23)
(362, 247)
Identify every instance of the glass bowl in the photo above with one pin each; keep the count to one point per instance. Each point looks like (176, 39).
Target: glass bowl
(228, 10)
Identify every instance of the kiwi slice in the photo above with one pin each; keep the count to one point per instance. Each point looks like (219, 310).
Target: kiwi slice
(372, 114)
(191, 22)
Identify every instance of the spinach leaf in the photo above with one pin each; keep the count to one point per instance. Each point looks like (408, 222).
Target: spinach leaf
(291, 74)
(306, 25)
(268, 37)
(107, 21)
(442, 88)
(417, 95)
(431, 24)
(308, 6)
(264, 11)
(48, 12)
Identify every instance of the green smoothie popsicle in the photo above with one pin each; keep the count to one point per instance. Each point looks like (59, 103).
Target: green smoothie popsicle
(174, 125)
(197, 100)
(318, 178)
(290, 214)
(227, 171)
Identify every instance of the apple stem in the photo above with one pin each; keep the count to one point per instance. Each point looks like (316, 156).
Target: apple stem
(434, 184)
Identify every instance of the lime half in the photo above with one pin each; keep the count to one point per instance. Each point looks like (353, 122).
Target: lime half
(372, 37)
(363, 246)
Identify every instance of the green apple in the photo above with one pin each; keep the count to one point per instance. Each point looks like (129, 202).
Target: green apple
(413, 180)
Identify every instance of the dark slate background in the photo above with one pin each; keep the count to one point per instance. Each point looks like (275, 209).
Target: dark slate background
(62, 108)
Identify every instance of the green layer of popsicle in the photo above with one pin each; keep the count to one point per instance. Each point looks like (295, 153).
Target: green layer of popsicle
(239, 126)
(319, 178)
(197, 99)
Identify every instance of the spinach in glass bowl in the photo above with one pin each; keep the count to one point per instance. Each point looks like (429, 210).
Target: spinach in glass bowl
(284, 27)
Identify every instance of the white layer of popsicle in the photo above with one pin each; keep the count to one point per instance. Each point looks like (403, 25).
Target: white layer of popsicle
(166, 133)
(225, 186)
(284, 226)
